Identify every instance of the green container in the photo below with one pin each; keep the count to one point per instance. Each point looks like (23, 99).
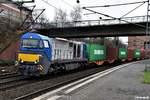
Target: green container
(137, 53)
(122, 53)
(96, 52)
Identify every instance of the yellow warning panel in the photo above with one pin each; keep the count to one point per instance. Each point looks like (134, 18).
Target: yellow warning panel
(28, 57)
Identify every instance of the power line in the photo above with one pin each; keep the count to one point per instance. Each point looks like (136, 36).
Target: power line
(117, 4)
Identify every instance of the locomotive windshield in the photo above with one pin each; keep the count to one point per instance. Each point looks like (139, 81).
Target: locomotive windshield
(32, 43)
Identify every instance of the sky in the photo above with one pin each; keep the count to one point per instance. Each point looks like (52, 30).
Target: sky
(67, 5)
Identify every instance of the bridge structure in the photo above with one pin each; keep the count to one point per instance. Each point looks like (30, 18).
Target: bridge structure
(128, 26)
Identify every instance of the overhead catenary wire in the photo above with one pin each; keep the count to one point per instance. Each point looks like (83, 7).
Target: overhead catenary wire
(143, 2)
(68, 4)
(142, 26)
(50, 4)
(116, 4)
(133, 9)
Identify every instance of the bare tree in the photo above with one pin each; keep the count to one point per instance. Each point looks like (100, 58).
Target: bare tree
(43, 20)
(60, 17)
(76, 14)
(40, 20)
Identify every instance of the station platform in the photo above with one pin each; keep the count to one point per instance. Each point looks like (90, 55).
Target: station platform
(123, 84)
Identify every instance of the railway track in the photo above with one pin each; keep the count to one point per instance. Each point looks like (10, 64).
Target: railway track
(27, 89)
(9, 75)
(59, 84)
(10, 80)
(13, 85)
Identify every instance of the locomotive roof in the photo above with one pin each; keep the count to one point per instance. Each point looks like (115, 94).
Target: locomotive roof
(34, 36)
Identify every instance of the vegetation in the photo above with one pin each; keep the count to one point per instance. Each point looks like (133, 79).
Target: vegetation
(60, 17)
(7, 32)
(76, 13)
(147, 77)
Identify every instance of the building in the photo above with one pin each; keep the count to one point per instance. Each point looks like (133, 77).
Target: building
(138, 41)
(14, 12)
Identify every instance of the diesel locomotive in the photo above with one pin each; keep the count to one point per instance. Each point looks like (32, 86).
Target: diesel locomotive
(41, 55)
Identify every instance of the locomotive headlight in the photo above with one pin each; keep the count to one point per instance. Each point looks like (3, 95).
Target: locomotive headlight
(35, 62)
(21, 61)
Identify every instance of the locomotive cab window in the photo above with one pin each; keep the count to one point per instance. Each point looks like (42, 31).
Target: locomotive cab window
(31, 43)
(46, 45)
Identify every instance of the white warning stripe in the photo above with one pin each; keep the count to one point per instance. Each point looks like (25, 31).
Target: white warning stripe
(54, 98)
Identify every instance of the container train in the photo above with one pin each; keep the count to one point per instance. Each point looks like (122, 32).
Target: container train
(41, 55)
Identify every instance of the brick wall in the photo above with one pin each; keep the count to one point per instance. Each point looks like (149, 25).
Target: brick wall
(137, 41)
(9, 53)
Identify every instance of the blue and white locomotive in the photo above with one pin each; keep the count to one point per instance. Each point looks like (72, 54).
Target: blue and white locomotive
(40, 55)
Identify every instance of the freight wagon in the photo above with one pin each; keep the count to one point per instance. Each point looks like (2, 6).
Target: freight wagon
(130, 54)
(99, 54)
(96, 53)
(137, 54)
(142, 53)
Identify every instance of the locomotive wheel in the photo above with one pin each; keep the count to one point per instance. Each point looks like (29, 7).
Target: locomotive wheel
(51, 70)
(123, 60)
(129, 59)
(111, 61)
(99, 62)
(63, 68)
